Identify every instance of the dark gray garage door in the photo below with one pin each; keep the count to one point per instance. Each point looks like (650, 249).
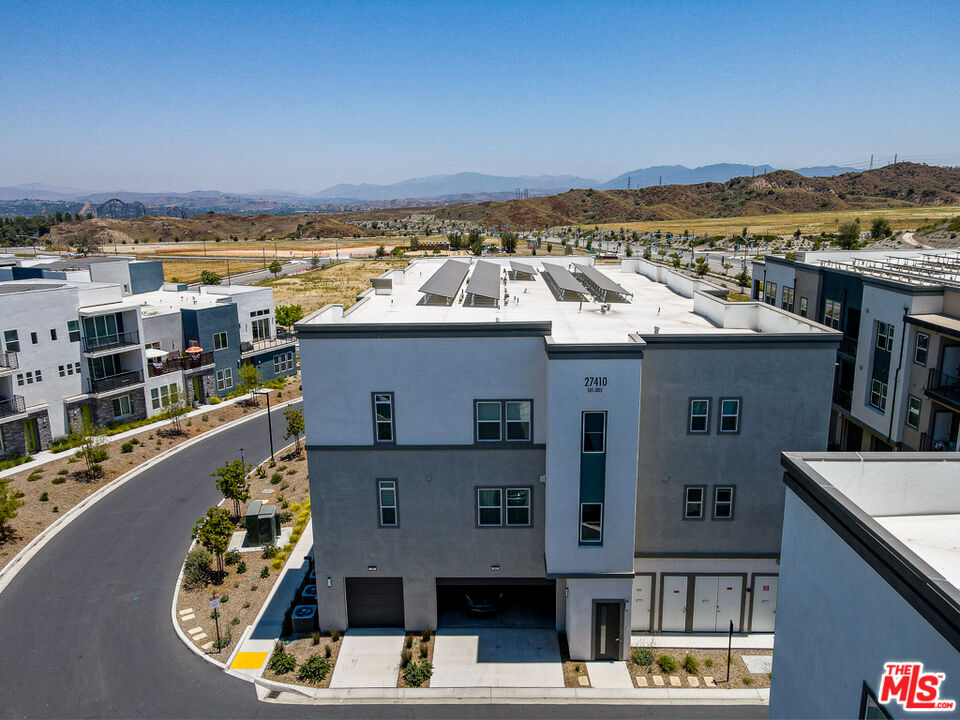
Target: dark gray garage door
(375, 602)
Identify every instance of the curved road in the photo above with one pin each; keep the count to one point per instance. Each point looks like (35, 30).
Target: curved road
(85, 626)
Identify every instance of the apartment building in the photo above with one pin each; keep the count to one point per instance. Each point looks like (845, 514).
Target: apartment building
(549, 443)
(897, 380)
(76, 350)
(870, 576)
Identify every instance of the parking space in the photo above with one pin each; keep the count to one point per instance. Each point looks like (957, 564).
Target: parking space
(496, 657)
(520, 603)
(368, 659)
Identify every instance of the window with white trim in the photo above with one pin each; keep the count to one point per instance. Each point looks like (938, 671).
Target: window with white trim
(489, 507)
(73, 330)
(39, 375)
(770, 293)
(693, 502)
(803, 307)
(787, 302)
(489, 415)
(11, 339)
(699, 415)
(224, 379)
(729, 415)
(121, 406)
(34, 338)
(387, 492)
(518, 417)
(723, 502)
(160, 396)
(591, 523)
(831, 313)
(220, 341)
(383, 425)
(518, 506)
(885, 333)
(594, 432)
(53, 333)
(283, 362)
(922, 348)
(914, 405)
(878, 394)
(63, 370)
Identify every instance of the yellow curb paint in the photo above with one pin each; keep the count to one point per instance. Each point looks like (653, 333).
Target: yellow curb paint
(248, 661)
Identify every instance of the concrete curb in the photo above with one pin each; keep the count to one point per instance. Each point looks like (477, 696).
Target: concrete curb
(176, 625)
(18, 561)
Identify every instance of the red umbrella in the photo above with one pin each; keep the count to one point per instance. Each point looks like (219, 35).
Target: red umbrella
(194, 349)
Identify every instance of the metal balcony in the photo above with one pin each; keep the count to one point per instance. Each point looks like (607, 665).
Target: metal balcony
(843, 398)
(113, 382)
(944, 388)
(11, 406)
(175, 364)
(98, 343)
(8, 362)
(848, 346)
(258, 346)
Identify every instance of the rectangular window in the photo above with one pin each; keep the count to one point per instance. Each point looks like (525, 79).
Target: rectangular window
(723, 503)
(518, 420)
(831, 314)
(787, 303)
(518, 506)
(693, 502)
(29, 377)
(76, 368)
(11, 340)
(121, 406)
(20, 379)
(224, 379)
(923, 345)
(591, 523)
(261, 329)
(914, 404)
(885, 333)
(63, 371)
(73, 330)
(594, 432)
(220, 341)
(53, 333)
(160, 396)
(39, 376)
(383, 424)
(803, 307)
(387, 490)
(489, 507)
(700, 415)
(878, 395)
(770, 293)
(729, 415)
(34, 338)
(488, 421)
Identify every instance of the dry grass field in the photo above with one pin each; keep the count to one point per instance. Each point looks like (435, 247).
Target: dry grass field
(337, 283)
(188, 270)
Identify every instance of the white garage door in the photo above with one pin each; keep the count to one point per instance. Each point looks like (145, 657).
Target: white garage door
(641, 605)
(716, 602)
(674, 604)
(764, 603)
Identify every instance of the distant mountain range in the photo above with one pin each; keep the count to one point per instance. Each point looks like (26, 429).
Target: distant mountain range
(433, 189)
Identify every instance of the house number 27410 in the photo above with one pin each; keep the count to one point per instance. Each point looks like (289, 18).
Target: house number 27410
(595, 384)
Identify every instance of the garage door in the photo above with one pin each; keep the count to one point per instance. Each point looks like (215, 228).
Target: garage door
(375, 602)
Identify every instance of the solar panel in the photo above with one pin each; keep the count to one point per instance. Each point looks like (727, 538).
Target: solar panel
(519, 267)
(485, 281)
(563, 279)
(601, 281)
(446, 281)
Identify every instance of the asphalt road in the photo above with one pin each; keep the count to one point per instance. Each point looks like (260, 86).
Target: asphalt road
(85, 626)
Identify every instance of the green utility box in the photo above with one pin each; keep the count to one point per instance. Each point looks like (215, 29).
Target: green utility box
(252, 520)
(269, 523)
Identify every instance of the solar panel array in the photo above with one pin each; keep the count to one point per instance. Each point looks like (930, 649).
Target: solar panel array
(563, 279)
(519, 267)
(446, 281)
(485, 281)
(601, 281)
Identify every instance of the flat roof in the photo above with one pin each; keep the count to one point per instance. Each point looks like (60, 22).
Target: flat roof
(9, 288)
(656, 307)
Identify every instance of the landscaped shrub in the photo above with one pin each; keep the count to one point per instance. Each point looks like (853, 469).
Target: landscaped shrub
(196, 569)
(261, 471)
(231, 558)
(691, 665)
(314, 669)
(667, 663)
(425, 636)
(708, 662)
(215, 400)
(59, 480)
(315, 637)
(264, 572)
(748, 681)
(417, 673)
(408, 643)
(44, 497)
(241, 567)
(424, 650)
(63, 471)
(269, 551)
(281, 662)
(276, 478)
(327, 650)
(406, 656)
(226, 637)
(35, 475)
(334, 635)
(641, 656)
(127, 447)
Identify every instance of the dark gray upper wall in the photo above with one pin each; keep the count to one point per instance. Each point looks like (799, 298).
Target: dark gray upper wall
(200, 325)
(146, 276)
(786, 401)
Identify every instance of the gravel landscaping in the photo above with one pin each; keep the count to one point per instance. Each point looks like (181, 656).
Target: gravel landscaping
(709, 662)
(301, 649)
(420, 647)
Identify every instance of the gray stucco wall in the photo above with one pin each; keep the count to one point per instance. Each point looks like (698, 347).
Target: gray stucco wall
(808, 286)
(786, 401)
(146, 276)
(437, 535)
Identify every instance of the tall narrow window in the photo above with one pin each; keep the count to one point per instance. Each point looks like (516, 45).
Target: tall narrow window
(923, 346)
(73, 330)
(220, 341)
(594, 432)
(914, 405)
(12, 340)
(878, 394)
(225, 379)
(518, 506)
(831, 314)
(489, 507)
(885, 332)
(34, 338)
(591, 523)
(723, 503)
(693, 502)
(770, 293)
(388, 503)
(121, 406)
(699, 415)
(803, 307)
(383, 422)
(729, 415)
(488, 421)
(53, 333)
(518, 420)
(787, 302)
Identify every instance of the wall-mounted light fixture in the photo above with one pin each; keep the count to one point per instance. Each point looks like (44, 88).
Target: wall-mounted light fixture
(329, 582)
(372, 568)
(495, 568)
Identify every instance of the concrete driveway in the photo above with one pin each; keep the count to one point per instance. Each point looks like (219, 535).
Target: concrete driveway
(496, 657)
(368, 659)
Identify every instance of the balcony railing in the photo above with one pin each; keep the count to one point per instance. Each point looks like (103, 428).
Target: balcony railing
(260, 345)
(843, 398)
(173, 364)
(112, 382)
(848, 346)
(11, 406)
(96, 343)
(8, 361)
(944, 387)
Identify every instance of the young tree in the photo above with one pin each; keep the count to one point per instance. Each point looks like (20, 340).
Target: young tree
(9, 504)
(701, 266)
(314, 262)
(849, 235)
(92, 440)
(209, 277)
(232, 482)
(87, 244)
(880, 228)
(213, 531)
(249, 378)
(176, 408)
(476, 242)
(275, 267)
(414, 243)
(295, 427)
(381, 251)
(288, 314)
(509, 242)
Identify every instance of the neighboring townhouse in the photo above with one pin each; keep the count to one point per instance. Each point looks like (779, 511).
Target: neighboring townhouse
(870, 576)
(549, 443)
(78, 351)
(897, 380)
(132, 275)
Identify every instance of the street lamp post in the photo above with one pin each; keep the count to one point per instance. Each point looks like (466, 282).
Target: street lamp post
(269, 421)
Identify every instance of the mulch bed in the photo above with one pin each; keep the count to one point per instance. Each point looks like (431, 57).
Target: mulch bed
(740, 677)
(301, 649)
(416, 646)
(572, 669)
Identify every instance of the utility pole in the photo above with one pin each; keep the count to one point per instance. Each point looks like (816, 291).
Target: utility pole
(228, 271)
(661, 179)
(895, 158)
(871, 161)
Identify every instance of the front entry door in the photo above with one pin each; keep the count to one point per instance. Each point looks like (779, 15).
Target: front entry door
(31, 436)
(197, 389)
(608, 628)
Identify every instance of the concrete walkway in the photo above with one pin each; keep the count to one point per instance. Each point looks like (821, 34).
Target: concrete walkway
(706, 641)
(609, 674)
(496, 657)
(368, 659)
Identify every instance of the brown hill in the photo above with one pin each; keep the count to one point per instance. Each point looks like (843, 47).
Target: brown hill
(210, 226)
(900, 185)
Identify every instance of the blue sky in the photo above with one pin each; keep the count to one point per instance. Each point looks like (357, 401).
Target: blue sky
(243, 96)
